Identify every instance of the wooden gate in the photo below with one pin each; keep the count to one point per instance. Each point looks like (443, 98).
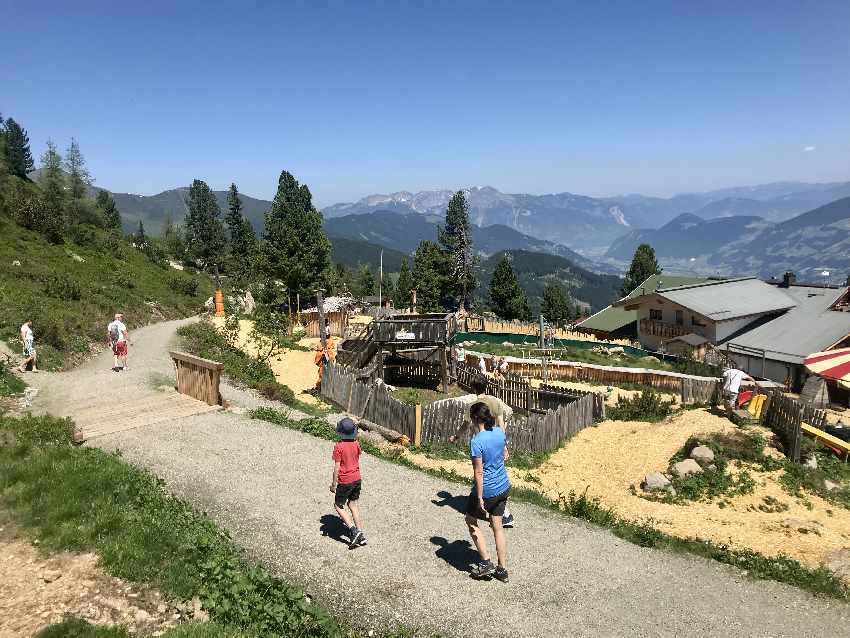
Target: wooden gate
(198, 378)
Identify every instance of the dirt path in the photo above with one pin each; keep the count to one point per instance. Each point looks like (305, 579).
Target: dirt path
(268, 487)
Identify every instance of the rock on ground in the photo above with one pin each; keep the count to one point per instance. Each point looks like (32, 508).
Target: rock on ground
(686, 468)
(702, 454)
(655, 481)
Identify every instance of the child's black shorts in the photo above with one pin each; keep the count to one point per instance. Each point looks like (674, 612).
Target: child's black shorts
(495, 506)
(346, 492)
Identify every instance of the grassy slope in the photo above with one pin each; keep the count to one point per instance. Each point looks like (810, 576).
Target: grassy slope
(48, 275)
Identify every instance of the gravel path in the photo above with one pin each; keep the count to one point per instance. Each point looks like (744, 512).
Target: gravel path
(268, 487)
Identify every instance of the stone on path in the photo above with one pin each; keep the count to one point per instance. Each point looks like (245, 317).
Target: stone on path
(802, 526)
(702, 454)
(655, 481)
(686, 468)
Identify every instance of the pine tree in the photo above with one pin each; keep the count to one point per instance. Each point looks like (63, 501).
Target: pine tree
(401, 296)
(205, 240)
(456, 240)
(234, 220)
(140, 239)
(107, 207)
(53, 188)
(430, 275)
(17, 148)
(78, 175)
(295, 248)
(4, 167)
(172, 239)
(556, 307)
(508, 297)
(387, 290)
(644, 265)
(365, 282)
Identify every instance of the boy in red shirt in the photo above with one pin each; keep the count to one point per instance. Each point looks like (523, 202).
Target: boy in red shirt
(346, 480)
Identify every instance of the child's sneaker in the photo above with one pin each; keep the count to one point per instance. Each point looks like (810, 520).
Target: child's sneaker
(363, 540)
(501, 574)
(484, 569)
(356, 537)
(508, 521)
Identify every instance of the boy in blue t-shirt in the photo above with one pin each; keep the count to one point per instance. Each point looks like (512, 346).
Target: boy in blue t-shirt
(489, 494)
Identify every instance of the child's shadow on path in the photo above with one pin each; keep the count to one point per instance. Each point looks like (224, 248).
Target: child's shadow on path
(458, 554)
(333, 527)
(457, 503)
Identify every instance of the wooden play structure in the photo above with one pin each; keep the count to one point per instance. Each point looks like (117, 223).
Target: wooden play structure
(198, 378)
(401, 341)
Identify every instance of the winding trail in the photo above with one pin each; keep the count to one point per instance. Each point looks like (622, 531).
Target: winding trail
(269, 487)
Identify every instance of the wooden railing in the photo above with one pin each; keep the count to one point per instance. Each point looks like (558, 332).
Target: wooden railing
(198, 378)
(661, 329)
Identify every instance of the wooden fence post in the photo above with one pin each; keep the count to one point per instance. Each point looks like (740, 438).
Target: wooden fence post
(417, 436)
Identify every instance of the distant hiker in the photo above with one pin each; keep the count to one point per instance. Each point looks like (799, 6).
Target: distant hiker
(460, 353)
(482, 364)
(500, 410)
(118, 340)
(732, 378)
(503, 366)
(489, 496)
(28, 347)
(346, 480)
(327, 329)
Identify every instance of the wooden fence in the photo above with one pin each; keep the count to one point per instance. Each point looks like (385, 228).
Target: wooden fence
(370, 401)
(518, 392)
(535, 433)
(482, 324)
(695, 389)
(198, 378)
(785, 415)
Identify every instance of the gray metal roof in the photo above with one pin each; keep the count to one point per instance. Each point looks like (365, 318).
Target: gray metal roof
(806, 328)
(730, 298)
(691, 339)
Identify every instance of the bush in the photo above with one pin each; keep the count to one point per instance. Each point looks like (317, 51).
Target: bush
(647, 406)
(276, 392)
(60, 286)
(184, 285)
(697, 368)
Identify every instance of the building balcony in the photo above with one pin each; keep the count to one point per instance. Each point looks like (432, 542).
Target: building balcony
(653, 328)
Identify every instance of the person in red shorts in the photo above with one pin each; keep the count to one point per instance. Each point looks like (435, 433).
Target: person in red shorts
(118, 340)
(346, 480)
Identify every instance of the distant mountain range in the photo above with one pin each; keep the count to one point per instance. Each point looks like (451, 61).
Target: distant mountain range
(589, 223)
(807, 244)
(404, 232)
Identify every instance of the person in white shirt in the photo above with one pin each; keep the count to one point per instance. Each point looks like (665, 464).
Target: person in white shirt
(482, 364)
(503, 366)
(119, 340)
(27, 343)
(732, 378)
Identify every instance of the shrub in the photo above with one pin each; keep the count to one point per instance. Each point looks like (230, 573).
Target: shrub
(184, 285)
(276, 391)
(647, 406)
(61, 286)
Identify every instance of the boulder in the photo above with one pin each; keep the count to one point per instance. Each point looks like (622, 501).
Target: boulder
(830, 485)
(654, 481)
(838, 562)
(209, 304)
(812, 462)
(702, 454)
(16, 263)
(686, 468)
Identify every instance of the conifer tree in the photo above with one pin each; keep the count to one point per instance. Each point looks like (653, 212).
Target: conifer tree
(295, 248)
(140, 238)
(508, 297)
(644, 264)
(17, 149)
(430, 275)
(107, 207)
(556, 306)
(387, 290)
(243, 240)
(78, 175)
(205, 240)
(401, 296)
(365, 283)
(456, 240)
(53, 187)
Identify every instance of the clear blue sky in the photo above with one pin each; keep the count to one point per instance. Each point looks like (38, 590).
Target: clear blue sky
(362, 97)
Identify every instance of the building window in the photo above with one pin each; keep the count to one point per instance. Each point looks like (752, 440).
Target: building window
(696, 322)
(680, 318)
(655, 314)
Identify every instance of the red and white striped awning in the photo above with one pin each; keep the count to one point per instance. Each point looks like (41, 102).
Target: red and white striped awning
(832, 364)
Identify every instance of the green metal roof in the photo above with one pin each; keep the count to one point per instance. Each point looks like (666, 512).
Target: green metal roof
(611, 318)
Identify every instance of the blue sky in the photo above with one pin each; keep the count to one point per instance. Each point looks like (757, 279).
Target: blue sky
(363, 97)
